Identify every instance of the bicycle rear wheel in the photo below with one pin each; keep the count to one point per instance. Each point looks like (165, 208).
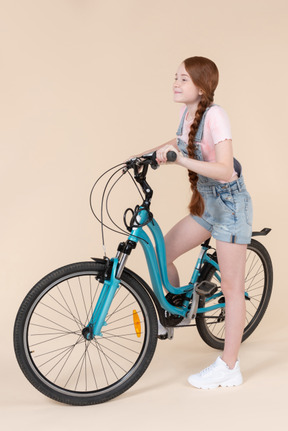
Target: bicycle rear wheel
(55, 356)
(258, 288)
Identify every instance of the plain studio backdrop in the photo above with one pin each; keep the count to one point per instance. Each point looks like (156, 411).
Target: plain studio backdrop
(84, 85)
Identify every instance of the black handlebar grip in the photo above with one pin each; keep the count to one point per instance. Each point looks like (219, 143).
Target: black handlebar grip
(171, 156)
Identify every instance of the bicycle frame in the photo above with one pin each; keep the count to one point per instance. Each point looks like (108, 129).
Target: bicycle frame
(57, 332)
(157, 266)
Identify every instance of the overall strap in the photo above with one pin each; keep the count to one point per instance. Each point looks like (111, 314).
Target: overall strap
(199, 133)
(180, 128)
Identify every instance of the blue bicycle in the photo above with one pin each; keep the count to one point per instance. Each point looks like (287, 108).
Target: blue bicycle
(87, 332)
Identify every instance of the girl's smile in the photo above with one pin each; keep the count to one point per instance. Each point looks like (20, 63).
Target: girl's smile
(184, 89)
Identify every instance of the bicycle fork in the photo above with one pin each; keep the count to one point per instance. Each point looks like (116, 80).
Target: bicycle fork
(109, 289)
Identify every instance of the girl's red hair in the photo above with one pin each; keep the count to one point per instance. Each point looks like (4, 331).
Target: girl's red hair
(205, 76)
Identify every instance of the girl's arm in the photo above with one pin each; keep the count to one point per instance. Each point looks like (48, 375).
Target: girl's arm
(221, 169)
(172, 143)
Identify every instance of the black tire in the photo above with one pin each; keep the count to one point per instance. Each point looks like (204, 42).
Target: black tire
(54, 355)
(258, 288)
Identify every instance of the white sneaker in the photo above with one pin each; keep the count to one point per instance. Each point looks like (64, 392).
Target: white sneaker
(218, 374)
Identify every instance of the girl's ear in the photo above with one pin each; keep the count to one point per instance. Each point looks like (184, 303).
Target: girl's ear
(200, 92)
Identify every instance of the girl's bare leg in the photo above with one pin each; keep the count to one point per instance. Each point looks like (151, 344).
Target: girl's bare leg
(184, 236)
(188, 234)
(232, 259)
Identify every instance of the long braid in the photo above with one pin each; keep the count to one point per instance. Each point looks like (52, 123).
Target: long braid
(205, 76)
(196, 205)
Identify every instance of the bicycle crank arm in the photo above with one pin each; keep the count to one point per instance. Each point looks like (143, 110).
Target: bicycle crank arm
(194, 306)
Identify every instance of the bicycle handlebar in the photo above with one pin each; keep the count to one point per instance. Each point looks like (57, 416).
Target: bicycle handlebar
(171, 156)
(140, 166)
(149, 159)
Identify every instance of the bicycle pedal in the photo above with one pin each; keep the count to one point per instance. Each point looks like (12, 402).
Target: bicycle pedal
(163, 336)
(168, 335)
(206, 288)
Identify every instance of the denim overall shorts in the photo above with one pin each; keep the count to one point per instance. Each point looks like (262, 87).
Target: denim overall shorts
(228, 210)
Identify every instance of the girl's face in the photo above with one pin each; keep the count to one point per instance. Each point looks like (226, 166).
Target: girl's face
(184, 89)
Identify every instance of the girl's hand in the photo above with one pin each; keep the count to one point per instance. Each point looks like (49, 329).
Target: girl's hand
(161, 154)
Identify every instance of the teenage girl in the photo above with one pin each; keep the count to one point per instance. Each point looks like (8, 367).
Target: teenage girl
(220, 205)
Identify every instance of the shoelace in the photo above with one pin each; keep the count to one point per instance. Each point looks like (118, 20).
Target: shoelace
(206, 370)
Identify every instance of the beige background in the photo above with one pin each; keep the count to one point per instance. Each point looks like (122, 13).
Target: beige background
(86, 83)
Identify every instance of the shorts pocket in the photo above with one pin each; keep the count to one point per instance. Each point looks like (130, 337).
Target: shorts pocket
(226, 201)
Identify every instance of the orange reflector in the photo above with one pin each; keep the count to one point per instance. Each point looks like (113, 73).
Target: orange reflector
(137, 324)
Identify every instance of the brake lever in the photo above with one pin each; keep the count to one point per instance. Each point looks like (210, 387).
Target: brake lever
(151, 160)
(154, 164)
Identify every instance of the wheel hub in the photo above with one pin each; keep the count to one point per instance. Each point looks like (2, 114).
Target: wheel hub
(87, 333)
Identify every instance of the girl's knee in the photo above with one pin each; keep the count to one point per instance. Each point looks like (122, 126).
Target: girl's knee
(232, 289)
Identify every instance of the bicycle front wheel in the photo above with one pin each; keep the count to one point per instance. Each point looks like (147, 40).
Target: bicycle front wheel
(55, 356)
(258, 288)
